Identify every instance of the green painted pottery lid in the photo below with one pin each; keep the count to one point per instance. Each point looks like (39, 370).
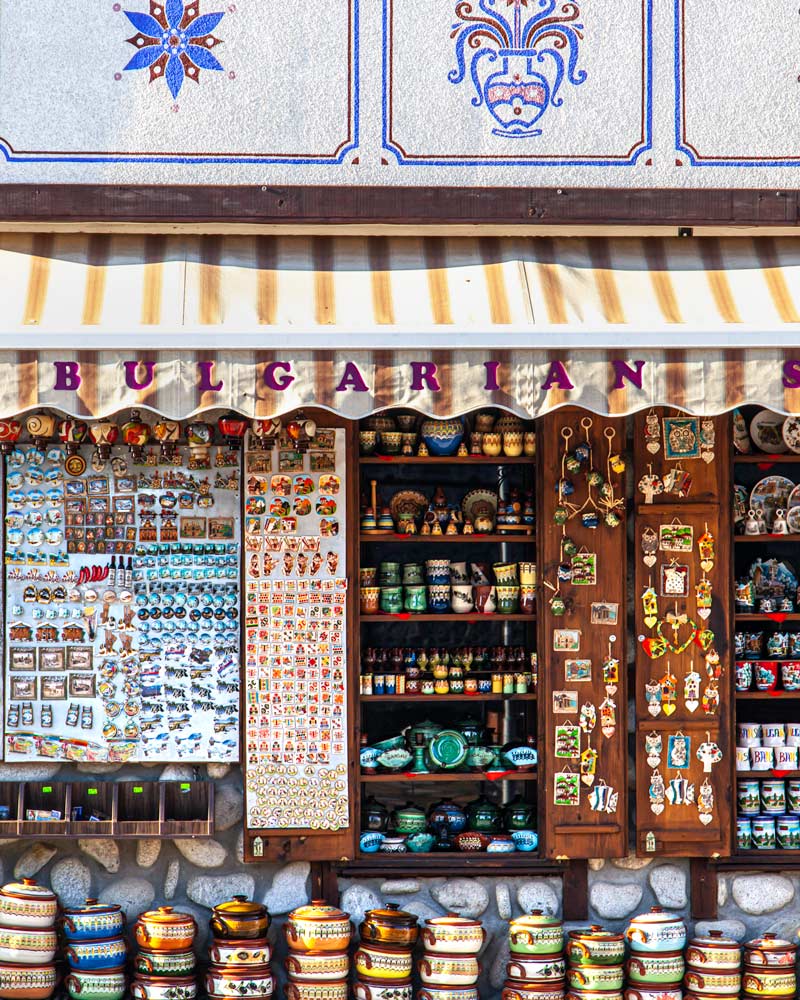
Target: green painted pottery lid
(448, 749)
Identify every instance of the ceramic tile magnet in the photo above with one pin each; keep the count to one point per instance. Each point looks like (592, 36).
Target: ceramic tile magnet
(653, 747)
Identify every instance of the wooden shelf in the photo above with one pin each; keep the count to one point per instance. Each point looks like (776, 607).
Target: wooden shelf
(468, 776)
(432, 698)
(761, 539)
(776, 617)
(470, 619)
(764, 695)
(786, 458)
(768, 775)
(442, 460)
(393, 537)
(441, 863)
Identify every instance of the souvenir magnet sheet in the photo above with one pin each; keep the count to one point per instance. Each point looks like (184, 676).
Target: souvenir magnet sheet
(296, 590)
(122, 629)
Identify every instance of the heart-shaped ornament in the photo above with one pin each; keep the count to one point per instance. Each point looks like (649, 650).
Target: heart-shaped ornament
(611, 689)
(653, 761)
(692, 706)
(651, 621)
(649, 560)
(669, 708)
(708, 458)
(707, 565)
(705, 818)
(653, 447)
(587, 779)
(657, 808)
(654, 709)
(704, 613)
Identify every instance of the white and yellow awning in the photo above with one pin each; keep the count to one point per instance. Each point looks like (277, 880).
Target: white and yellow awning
(715, 322)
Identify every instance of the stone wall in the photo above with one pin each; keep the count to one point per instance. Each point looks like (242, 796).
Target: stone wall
(194, 875)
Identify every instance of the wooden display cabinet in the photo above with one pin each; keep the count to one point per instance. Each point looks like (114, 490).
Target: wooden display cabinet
(188, 809)
(92, 798)
(138, 809)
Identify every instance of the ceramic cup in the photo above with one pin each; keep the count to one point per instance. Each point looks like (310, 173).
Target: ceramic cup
(458, 573)
(370, 600)
(461, 599)
(744, 675)
(527, 603)
(743, 758)
(485, 599)
(508, 600)
(506, 574)
(368, 576)
(527, 574)
(367, 441)
(414, 599)
(785, 758)
(766, 675)
(773, 734)
(389, 574)
(762, 758)
(391, 442)
(391, 600)
(793, 734)
(512, 444)
(437, 571)
(790, 675)
(413, 575)
(492, 444)
(748, 734)
(439, 598)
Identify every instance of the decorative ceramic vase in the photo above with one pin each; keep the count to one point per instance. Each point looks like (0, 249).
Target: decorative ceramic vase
(171, 963)
(232, 981)
(453, 935)
(95, 956)
(91, 921)
(389, 926)
(383, 962)
(107, 985)
(656, 931)
(442, 437)
(26, 904)
(165, 929)
(318, 927)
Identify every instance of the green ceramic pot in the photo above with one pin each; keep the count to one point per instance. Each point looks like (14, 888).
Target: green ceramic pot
(595, 946)
(473, 730)
(426, 729)
(109, 985)
(535, 934)
(518, 814)
(656, 969)
(415, 598)
(596, 977)
(391, 602)
(483, 816)
(409, 819)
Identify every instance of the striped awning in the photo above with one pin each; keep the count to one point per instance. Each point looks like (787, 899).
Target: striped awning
(91, 324)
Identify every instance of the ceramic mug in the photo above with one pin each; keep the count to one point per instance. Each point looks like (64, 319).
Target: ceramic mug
(744, 675)
(507, 600)
(485, 599)
(437, 571)
(527, 574)
(763, 828)
(527, 599)
(512, 444)
(391, 600)
(461, 599)
(790, 675)
(793, 795)
(773, 797)
(439, 598)
(762, 758)
(766, 674)
(492, 443)
(748, 734)
(458, 573)
(748, 798)
(773, 734)
(742, 758)
(793, 734)
(786, 758)
(787, 833)
(367, 440)
(506, 574)
(370, 600)
(368, 576)
(415, 598)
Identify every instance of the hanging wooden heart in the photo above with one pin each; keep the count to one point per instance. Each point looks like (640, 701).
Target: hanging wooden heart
(705, 818)
(669, 708)
(657, 808)
(704, 613)
(704, 639)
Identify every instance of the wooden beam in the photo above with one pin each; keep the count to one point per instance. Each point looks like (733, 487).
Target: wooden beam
(703, 879)
(575, 891)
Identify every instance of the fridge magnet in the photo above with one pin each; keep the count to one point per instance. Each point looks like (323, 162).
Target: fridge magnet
(82, 686)
(565, 702)
(681, 438)
(705, 803)
(52, 660)
(706, 547)
(588, 718)
(649, 547)
(320, 461)
(707, 440)
(329, 484)
(566, 640)
(21, 658)
(568, 741)
(684, 631)
(654, 646)
(78, 658)
(691, 689)
(656, 793)
(608, 717)
(577, 671)
(584, 569)
(708, 753)
(675, 537)
(54, 688)
(290, 461)
(23, 688)
(674, 580)
(604, 613)
(650, 486)
(680, 792)
(678, 482)
(650, 606)
(603, 798)
(653, 747)
(566, 789)
(652, 433)
(710, 700)
(678, 751)
(703, 598)
(610, 673)
(668, 684)
(588, 765)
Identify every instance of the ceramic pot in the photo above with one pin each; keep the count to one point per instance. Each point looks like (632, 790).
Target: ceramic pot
(409, 819)
(375, 989)
(240, 918)
(719, 984)
(95, 956)
(301, 989)
(28, 945)
(769, 950)
(318, 927)
(483, 816)
(656, 931)
(540, 968)
(512, 444)
(448, 814)
(715, 952)
(441, 969)
(442, 436)
(492, 444)
(383, 962)
(769, 982)
(518, 814)
(91, 921)
(26, 904)
(144, 988)
(640, 993)
(596, 977)
(595, 946)
(448, 993)
(485, 599)
(165, 963)
(391, 926)
(593, 995)
(329, 966)
(165, 929)
(453, 935)
(230, 981)
(535, 934)
(248, 951)
(107, 985)
(658, 969)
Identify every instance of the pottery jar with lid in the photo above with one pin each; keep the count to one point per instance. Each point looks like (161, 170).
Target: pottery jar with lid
(769, 950)
(391, 925)
(453, 935)
(240, 918)
(707, 982)
(715, 952)
(442, 969)
(657, 969)
(383, 962)
(532, 991)
(320, 967)
(28, 945)
(595, 946)
(656, 931)
(107, 985)
(409, 819)
(769, 981)
(535, 933)
(165, 929)
(596, 977)
(26, 904)
(175, 988)
(91, 921)
(483, 816)
(247, 951)
(318, 927)
(232, 981)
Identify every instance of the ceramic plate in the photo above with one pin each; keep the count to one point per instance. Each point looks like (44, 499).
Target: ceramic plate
(791, 434)
(771, 493)
(765, 430)
(793, 520)
(478, 496)
(409, 504)
(448, 749)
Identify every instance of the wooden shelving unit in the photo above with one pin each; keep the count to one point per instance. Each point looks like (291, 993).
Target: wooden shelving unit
(435, 698)
(448, 776)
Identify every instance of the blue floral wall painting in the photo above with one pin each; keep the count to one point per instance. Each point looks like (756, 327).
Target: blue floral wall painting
(519, 54)
(174, 41)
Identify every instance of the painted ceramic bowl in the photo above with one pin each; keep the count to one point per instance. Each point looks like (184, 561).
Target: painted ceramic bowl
(376, 989)
(441, 969)
(420, 843)
(240, 918)
(26, 904)
(453, 935)
(304, 989)
(383, 962)
(167, 963)
(318, 927)
(108, 985)
(370, 841)
(165, 930)
(27, 945)
(145, 988)
(501, 844)
(91, 921)
(525, 840)
(329, 966)
(395, 760)
(94, 956)
(230, 981)
(539, 967)
(442, 436)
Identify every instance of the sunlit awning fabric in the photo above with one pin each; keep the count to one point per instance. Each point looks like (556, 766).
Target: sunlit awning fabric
(221, 321)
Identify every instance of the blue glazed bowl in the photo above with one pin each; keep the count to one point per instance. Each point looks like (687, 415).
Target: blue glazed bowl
(368, 757)
(442, 436)
(94, 956)
(92, 921)
(370, 841)
(420, 843)
(525, 840)
(501, 845)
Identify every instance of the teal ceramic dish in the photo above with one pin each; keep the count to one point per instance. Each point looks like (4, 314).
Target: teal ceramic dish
(525, 840)
(395, 760)
(368, 757)
(447, 750)
(420, 843)
(391, 744)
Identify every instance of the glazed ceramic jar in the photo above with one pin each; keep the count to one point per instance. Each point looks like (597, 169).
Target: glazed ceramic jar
(408, 819)
(318, 927)
(145, 988)
(441, 969)
(108, 985)
(95, 956)
(240, 918)
(91, 921)
(664, 993)
(230, 981)
(166, 963)
(532, 991)
(593, 995)
(325, 967)
(165, 929)
(448, 993)
(26, 904)
(595, 946)
(656, 931)
(596, 977)
(769, 950)
(662, 968)
(301, 989)
(715, 952)
(383, 962)
(772, 982)
(453, 935)
(250, 951)
(376, 989)
(535, 934)
(391, 926)
(710, 983)
(540, 968)
(28, 945)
